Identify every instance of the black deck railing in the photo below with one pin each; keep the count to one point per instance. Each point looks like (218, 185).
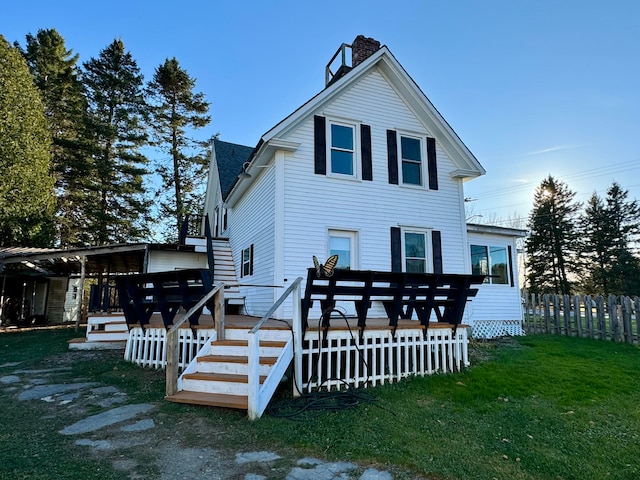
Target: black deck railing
(165, 292)
(401, 294)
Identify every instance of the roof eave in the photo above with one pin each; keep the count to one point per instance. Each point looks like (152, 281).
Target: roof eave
(263, 154)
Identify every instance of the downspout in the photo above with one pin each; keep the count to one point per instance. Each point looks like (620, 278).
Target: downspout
(145, 261)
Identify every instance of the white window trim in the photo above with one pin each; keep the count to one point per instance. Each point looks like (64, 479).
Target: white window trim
(357, 168)
(428, 246)
(424, 172)
(353, 236)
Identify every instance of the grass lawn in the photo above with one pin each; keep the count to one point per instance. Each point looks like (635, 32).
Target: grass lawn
(536, 407)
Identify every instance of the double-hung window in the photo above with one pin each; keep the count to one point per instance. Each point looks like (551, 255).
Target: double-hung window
(411, 160)
(342, 153)
(246, 267)
(491, 261)
(415, 252)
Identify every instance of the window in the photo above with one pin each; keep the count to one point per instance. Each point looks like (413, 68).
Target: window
(492, 261)
(246, 268)
(415, 252)
(342, 141)
(411, 158)
(343, 244)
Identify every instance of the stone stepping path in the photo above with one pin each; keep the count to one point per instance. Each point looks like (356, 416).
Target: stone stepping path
(192, 463)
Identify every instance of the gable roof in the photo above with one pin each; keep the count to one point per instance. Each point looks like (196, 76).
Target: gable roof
(230, 157)
(467, 164)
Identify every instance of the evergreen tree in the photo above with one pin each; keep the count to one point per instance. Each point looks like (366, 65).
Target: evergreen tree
(609, 228)
(119, 210)
(552, 242)
(55, 72)
(26, 187)
(176, 111)
(596, 242)
(624, 218)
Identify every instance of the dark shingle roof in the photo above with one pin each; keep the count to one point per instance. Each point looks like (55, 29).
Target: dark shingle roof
(230, 157)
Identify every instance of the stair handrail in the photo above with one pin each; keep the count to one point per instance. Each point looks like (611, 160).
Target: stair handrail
(172, 350)
(255, 406)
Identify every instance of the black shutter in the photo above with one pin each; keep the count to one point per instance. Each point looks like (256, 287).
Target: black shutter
(251, 259)
(392, 154)
(320, 144)
(432, 163)
(365, 146)
(511, 266)
(396, 250)
(436, 242)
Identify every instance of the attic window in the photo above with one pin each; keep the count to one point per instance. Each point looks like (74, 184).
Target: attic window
(342, 141)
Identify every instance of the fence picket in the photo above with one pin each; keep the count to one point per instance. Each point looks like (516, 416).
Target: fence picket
(616, 318)
(577, 314)
(566, 307)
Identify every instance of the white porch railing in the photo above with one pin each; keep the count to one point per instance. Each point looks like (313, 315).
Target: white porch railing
(148, 347)
(259, 396)
(173, 354)
(343, 361)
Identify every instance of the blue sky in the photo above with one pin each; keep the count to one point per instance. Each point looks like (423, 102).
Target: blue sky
(532, 87)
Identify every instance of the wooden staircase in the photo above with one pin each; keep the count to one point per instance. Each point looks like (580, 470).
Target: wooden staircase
(218, 376)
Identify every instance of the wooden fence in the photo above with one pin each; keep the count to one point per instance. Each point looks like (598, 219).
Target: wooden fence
(611, 318)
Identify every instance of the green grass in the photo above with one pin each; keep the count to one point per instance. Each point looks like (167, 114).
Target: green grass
(542, 407)
(535, 407)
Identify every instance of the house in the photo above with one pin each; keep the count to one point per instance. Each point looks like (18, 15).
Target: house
(368, 169)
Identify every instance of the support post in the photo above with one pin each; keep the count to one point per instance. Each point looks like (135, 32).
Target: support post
(83, 267)
(218, 314)
(173, 358)
(297, 340)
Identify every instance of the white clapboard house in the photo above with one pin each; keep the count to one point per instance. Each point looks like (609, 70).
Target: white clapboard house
(369, 170)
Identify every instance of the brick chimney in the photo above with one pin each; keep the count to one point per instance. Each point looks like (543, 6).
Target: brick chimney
(362, 48)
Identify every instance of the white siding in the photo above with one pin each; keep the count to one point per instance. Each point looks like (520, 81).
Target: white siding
(164, 261)
(251, 221)
(495, 302)
(316, 203)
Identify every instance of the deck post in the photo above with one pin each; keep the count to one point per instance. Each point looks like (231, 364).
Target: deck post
(253, 401)
(218, 314)
(171, 368)
(297, 339)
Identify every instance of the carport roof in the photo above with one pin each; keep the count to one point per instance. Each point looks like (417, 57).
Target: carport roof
(106, 259)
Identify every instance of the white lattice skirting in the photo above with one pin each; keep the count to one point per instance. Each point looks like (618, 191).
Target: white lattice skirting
(147, 348)
(496, 328)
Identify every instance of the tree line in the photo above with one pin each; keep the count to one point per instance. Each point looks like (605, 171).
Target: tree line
(574, 248)
(75, 141)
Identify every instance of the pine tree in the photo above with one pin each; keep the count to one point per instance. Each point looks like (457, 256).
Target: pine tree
(624, 219)
(552, 242)
(55, 72)
(119, 210)
(26, 187)
(596, 242)
(177, 111)
(608, 229)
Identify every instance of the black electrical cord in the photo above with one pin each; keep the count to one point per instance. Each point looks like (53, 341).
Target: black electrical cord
(327, 400)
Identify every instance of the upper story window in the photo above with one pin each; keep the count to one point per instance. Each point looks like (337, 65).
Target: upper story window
(491, 261)
(342, 141)
(411, 158)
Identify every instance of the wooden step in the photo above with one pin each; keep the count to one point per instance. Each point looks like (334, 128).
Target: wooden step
(219, 377)
(235, 359)
(210, 399)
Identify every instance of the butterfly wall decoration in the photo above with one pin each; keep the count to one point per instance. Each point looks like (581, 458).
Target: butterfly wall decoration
(327, 269)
